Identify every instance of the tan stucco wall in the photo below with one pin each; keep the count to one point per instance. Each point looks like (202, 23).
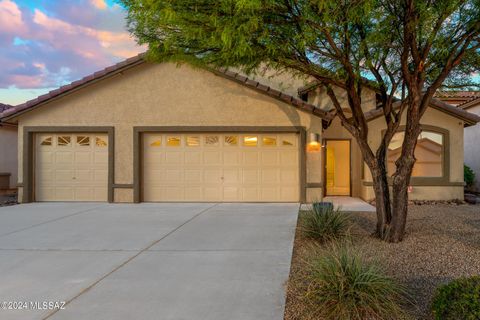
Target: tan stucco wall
(166, 95)
(8, 153)
(438, 119)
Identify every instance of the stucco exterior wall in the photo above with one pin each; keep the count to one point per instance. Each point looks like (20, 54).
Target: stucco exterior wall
(166, 95)
(472, 147)
(8, 153)
(453, 189)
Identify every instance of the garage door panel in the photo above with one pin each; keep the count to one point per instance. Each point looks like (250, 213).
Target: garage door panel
(174, 158)
(212, 158)
(69, 167)
(83, 157)
(64, 157)
(101, 157)
(250, 194)
(84, 175)
(193, 176)
(231, 158)
(250, 176)
(220, 167)
(173, 175)
(193, 157)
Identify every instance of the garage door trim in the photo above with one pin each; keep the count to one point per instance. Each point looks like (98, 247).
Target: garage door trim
(29, 151)
(137, 147)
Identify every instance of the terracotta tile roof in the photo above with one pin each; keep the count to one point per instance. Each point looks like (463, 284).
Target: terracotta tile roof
(21, 108)
(121, 66)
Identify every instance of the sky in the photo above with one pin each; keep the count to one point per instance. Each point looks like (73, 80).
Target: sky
(45, 44)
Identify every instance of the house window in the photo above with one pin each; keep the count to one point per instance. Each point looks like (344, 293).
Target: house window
(83, 141)
(429, 153)
(250, 141)
(63, 141)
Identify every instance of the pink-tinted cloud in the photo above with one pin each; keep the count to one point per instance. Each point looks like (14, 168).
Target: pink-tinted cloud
(58, 43)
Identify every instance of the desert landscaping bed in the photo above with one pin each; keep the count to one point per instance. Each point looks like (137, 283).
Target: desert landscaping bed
(442, 243)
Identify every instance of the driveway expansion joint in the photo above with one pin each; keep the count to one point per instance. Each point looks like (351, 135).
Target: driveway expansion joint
(48, 221)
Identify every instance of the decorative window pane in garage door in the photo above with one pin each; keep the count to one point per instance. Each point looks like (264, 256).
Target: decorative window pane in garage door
(68, 167)
(226, 167)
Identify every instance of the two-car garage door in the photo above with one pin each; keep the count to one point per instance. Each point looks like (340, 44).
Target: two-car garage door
(226, 167)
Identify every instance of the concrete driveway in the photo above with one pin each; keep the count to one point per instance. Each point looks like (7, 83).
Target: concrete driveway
(145, 261)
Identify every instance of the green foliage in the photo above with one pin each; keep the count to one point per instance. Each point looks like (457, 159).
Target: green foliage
(459, 299)
(343, 285)
(468, 175)
(325, 224)
(310, 37)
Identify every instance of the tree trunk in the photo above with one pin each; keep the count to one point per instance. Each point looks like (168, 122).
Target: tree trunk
(401, 180)
(382, 201)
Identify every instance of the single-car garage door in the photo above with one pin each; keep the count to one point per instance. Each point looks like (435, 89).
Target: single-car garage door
(71, 167)
(221, 167)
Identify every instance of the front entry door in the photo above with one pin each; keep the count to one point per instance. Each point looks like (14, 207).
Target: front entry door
(337, 168)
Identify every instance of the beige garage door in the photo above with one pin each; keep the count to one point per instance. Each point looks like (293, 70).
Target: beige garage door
(221, 167)
(71, 167)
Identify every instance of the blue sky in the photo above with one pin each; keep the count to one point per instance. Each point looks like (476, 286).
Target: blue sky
(45, 43)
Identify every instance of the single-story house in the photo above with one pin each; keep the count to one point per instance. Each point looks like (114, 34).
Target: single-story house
(469, 101)
(8, 153)
(139, 131)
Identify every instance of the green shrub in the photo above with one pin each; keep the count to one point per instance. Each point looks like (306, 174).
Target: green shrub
(459, 299)
(343, 285)
(325, 224)
(468, 175)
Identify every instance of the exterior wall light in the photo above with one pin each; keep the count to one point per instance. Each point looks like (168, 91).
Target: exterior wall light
(314, 144)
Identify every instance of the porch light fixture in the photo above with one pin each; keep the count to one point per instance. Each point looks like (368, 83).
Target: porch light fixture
(313, 142)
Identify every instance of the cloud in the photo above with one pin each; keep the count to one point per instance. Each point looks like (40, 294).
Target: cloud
(50, 45)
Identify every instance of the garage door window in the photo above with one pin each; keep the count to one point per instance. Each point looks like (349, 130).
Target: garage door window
(100, 142)
(193, 141)
(211, 140)
(269, 141)
(83, 141)
(63, 141)
(250, 141)
(156, 143)
(46, 142)
(173, 142)
(231, 140)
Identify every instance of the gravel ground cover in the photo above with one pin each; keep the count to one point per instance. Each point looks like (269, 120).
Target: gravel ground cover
(442, 243)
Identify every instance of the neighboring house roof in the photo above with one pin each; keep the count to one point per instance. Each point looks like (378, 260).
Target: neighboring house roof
(4, 107)
(457, 94)
(457, 97)
(469, 118)
(140, 59)
(469, 104)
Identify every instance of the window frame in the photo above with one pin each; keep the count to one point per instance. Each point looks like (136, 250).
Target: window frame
(444, 179)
